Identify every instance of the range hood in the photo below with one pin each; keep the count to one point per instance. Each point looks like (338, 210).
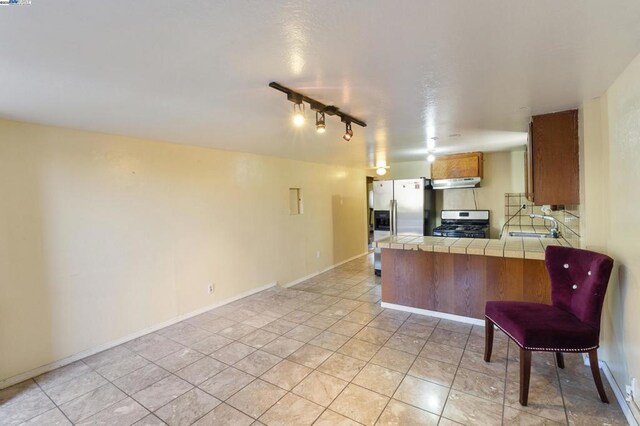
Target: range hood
(470, 182)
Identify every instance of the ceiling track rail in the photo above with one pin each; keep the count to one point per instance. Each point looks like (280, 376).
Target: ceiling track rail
(298, 97)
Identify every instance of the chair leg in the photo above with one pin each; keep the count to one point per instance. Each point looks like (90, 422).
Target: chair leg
(525, 374)
(595, 370)
(560, 359)
(488, 339)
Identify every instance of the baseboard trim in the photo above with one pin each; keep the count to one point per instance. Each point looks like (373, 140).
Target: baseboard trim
(624, 405)
(459, 318)
(335, 265)
(10, 381)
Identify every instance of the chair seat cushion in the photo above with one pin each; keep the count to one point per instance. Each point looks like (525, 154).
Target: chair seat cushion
(538, 327)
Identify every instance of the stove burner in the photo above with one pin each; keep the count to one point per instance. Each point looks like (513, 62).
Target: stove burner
(465, 224)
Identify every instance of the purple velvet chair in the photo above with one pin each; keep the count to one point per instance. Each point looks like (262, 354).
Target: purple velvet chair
(571, 323)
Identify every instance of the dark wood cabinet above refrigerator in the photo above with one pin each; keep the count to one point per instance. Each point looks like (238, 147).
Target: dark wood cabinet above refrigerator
(455, 166)
(552, 159)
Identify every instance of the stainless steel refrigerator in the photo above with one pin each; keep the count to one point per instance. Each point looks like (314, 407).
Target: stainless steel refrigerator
(404, 207)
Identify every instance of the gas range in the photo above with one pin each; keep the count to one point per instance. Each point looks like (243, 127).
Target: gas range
(463, 224)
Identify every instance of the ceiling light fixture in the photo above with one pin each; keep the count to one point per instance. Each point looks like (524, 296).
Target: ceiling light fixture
(431, 158)
(348, 133)
(320, 109)
(320, 126)
(381, 171)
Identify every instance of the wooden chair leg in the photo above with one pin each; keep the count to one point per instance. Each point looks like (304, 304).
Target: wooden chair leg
(595, 370)
(525, 374)
(560, 359)
(488, 339)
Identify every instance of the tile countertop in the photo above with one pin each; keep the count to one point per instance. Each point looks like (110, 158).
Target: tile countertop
(516, 247)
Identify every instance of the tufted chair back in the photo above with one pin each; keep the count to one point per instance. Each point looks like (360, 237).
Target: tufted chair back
(579, 280)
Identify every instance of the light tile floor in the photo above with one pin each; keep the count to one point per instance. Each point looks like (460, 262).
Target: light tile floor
(323, 352)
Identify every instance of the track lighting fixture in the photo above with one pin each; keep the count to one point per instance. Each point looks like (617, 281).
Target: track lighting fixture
(298, 114)
(320, 126)
(321, 110)
(348, 133)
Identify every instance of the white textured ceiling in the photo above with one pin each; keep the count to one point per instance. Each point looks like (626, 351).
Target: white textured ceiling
(196, 72)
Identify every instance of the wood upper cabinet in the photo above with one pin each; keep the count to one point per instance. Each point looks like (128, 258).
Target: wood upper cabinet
(457, 166)
(528, 169)
(552, 159)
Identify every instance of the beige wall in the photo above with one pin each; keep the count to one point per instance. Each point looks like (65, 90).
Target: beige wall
(503, 172)
(611, 159)
(409, 170)
(103, 236)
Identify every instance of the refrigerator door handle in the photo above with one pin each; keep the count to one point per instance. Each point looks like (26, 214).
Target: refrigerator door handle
(395, 216)
(391, 217)
(393, 208)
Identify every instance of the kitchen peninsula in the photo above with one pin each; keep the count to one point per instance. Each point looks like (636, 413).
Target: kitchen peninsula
(456, 276)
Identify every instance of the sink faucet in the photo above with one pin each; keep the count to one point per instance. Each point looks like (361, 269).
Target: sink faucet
(553, 232)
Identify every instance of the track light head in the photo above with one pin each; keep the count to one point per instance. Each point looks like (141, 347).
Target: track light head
(298, 100)
(320, 126)
(298, 114)
(348, 133)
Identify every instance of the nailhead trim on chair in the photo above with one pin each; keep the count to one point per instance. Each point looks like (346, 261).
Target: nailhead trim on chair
(539, 349)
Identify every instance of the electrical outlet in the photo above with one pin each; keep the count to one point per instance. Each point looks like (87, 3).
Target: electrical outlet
(634, 388)
(318, 254)
(211, 288)
(628, 393)
(524, 207)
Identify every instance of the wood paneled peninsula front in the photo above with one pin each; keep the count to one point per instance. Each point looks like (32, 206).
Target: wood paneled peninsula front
(458, 275)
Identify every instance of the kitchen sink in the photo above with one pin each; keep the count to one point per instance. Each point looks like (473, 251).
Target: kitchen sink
(529, 234)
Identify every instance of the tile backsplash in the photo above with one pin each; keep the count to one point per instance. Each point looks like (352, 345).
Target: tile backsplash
(568, 219)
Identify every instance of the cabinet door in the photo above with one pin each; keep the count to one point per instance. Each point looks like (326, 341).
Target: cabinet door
(457, 166)
(554, 158)
(528, 167)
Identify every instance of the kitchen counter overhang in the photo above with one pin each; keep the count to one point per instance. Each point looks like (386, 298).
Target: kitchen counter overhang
(514, 247)
(457, 276)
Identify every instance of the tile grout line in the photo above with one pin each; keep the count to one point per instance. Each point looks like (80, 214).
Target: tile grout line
(258, 377)
(54, 404)
(315, 369)
(170, 373)
(446, 400)
(299, 305)
(197, 386)
(415, 359)
(564, 404)
(396, 389)
(92, 390)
